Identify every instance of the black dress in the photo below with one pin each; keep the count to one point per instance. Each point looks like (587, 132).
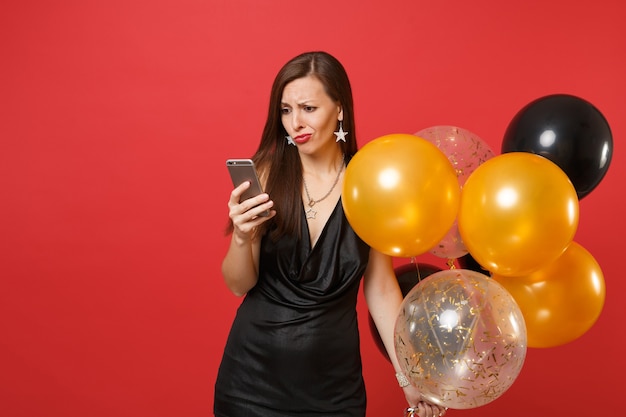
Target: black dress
(293, 349)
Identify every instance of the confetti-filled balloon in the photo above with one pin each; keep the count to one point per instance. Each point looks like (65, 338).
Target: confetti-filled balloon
(460, 338)
(408, 276)
(465, 151)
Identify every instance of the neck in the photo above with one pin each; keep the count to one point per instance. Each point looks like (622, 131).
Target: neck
(319, 167)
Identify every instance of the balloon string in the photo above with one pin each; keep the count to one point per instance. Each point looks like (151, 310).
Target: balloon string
(417, 268)
(451, 263)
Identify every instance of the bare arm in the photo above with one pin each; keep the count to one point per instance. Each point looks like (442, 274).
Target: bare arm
(384, 297)
(240, 266)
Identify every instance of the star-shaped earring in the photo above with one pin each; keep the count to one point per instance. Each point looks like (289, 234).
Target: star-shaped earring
(290, 140)
(341, 135)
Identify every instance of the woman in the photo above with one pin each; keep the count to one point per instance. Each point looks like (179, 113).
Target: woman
(293, 349)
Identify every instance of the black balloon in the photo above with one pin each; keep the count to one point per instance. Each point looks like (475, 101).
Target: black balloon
(468, 262)
(569, 131)
(408, 276)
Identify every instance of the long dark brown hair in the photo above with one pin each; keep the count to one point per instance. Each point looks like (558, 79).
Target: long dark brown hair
(279, 162)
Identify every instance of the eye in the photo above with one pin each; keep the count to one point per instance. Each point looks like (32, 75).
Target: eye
(285, 110)
(309, 109)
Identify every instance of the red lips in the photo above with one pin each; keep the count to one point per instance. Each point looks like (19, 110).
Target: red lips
(302, 138)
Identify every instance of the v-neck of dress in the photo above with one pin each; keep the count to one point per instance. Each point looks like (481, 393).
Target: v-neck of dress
(306, 228)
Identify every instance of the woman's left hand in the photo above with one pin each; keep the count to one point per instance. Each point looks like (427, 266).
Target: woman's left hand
(419, 406)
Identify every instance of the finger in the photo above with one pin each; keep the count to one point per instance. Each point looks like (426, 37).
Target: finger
(261, 210)
(438, 411)
(249, 220)
(262, 213)
(421, 410)
(427, 410)
(235, 194)
(255, 201)
(262, 200)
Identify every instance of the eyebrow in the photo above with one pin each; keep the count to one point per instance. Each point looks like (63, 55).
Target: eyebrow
(304, 103)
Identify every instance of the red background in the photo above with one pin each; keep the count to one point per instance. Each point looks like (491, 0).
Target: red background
(115, 121)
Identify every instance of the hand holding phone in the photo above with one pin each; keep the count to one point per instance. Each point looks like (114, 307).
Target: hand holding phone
(242, 170)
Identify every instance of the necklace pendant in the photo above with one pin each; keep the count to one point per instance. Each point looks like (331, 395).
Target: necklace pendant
(310, 213)
(312, 203)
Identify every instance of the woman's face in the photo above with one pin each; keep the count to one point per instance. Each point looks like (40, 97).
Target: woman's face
(308, 114)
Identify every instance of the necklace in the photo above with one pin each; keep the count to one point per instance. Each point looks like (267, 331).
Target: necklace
(310, 213)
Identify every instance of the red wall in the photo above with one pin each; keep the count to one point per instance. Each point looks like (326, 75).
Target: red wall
(115, 121)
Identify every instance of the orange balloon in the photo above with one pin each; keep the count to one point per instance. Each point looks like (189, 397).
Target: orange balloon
(518, 212)
(559, 302)
(400, 194)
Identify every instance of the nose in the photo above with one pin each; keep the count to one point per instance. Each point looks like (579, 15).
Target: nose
(296, 122)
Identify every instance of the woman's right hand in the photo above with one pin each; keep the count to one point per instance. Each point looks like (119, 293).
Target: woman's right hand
(241, 263)
(245, 215)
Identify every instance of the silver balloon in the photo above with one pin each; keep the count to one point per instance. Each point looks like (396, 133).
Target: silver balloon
(460, 338)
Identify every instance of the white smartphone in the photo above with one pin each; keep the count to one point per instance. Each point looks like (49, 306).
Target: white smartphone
(244, 170)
